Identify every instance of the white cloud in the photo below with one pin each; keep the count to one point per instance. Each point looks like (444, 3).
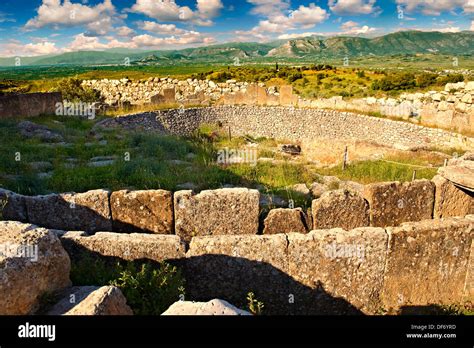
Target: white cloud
(169, 11)
(59, 13)
(436, 7)
(125, 31)
(450, 30)
(158, 28)
(16, 48)
(269, 8)
(308, 17)
(353, 28)
(350, 7)
(297, 35)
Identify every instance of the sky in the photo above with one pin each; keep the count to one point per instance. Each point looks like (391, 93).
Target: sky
(40, 27)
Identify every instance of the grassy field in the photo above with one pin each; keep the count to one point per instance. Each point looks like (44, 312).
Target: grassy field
(151, 161)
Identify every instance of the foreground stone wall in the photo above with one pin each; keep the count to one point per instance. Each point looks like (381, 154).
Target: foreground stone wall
(29, 105)
(233, 211)
(366, 270)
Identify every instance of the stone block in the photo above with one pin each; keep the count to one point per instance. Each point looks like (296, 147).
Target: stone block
(12, 206)
(341, 208)
(286, 95)
(216, 212)
(285, 221)
(450, 200)
(88, 211)
(213, 307)
(342, 271)
(393, 203)
(427, 263)
(149, 211)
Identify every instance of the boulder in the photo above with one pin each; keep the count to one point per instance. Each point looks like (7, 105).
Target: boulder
(12, 206)
(149, 211)
(317, 189)
(32, 263)
(285, 221)
(340, 208)
(213, 307)
(216, 212)
(29, 129)
(92, 300)
(461, 174)
(88, 211)
(393, 203)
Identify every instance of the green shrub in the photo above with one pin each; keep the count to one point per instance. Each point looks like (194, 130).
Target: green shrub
(72, 91)
(149, 288)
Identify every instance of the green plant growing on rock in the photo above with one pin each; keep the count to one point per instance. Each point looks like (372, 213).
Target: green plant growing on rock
(255, 306)
(3, 204)
(72, 90)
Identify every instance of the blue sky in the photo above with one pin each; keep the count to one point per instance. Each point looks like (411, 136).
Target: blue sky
(37, 27)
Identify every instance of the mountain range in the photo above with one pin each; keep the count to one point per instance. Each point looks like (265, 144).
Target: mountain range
(313, 47)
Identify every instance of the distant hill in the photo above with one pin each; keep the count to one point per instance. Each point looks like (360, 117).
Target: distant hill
(400, 43)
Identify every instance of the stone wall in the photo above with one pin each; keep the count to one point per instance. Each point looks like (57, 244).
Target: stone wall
(234, 211)
(29, 105)
(297, 124)
(362, 271)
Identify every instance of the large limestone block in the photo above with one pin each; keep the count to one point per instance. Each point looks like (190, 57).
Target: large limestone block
(142, 211)
(393, 203)
(341, 208)
(450, 200)
(32, 263)
(285, 221)
(213, 307)
(341, 270)
(133, 246)
(461, 174)
(92, 300)
(229, 267)
(216, 212)
(286, 95)
(427, 263)
(12, 206)
(88, 211)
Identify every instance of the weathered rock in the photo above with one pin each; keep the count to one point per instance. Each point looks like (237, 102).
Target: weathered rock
(145, 211)
(351, 186)
(301, 189)
(318, 189)
(133, 246)
(32, 263)
(213, 307)
(427, 263)
(342, 270)
(462, 174)
(88, 211)
(450, 200)
(12, 206)
(92, 300)
(393, 203)
(29, 129)
(229, 267)
(285, 221)
(341, 208)
(216, 212)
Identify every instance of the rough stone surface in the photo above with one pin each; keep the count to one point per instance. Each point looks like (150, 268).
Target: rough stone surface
(285, 221)
(393, 203)
(341, 270)
(12, 206)
(92, 300)
(30, 129)
(88, 211)
(216, 212)
(341, 208)
(317, 189)
(213, 307)
(23, 277)
(144, 211)
(229, 267)
(450, 200)
(133, 246)
(427, 263)
(462, 175)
